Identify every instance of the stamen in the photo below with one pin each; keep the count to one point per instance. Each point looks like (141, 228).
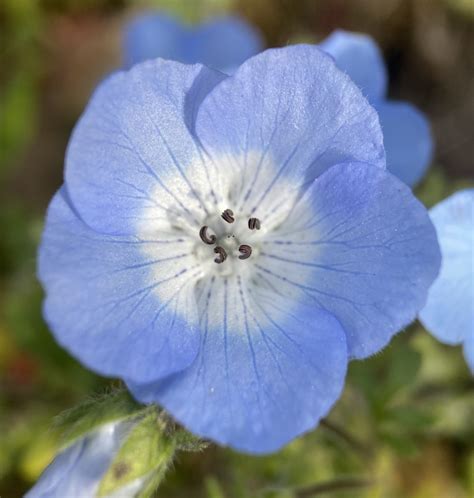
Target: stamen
(245, 250)
(254, 223)
(228, 215)
(222, 255)
(207, 239)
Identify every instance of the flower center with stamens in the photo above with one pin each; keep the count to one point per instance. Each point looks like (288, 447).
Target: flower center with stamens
(226, 244)
(241, 212)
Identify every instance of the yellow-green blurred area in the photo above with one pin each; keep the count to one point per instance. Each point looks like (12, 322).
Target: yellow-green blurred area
(405, 422)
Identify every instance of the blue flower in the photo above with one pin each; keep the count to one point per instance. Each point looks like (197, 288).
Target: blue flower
(77, 470)
(221, 43)
(449, 311)
(227, 244)
(407, 137)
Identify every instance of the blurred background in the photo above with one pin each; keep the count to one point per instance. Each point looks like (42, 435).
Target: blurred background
(405, 421)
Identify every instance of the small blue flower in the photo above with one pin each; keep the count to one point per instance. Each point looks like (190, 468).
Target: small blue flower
(77, 471)
(227, 244)
(407, 136)
(221, 43)
(449, 311)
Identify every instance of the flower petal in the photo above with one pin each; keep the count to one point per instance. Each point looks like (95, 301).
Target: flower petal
(124, 306)
(449, 311)
(224, 43)
(129, 151)
(359, 56)
(407, 140)
(52, 478)
(78, 470)
(294, 108)
(154, 35)
(366, 252)
(267, 371)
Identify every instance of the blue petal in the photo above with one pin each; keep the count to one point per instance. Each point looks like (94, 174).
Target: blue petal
(224, 43)
(294, 106)
(77, 471)
(267, 371)
(155, 35)
(52, 478)
(449, 311)
(376, 253)
(407, 140)
(359, 56)
(105, 299)
(131, 147)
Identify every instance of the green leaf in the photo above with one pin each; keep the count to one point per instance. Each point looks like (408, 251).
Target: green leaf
(386, 375)
(409, 417)
(18, 111)
(402, 444)
(403, 368)
(213, 488)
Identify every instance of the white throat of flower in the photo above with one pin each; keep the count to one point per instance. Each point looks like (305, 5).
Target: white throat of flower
(215, 221)
(229, 240)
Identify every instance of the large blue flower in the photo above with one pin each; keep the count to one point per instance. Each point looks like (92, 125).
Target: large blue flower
(221, 43)
(449, 311)
(407, 137)
(227, 244)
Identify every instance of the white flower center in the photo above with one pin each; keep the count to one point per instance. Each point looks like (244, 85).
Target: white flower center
(226, 238)
(223, 224)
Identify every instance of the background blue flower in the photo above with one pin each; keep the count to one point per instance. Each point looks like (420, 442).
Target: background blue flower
(249, 347)
(449, 311)
(407, 137)
(221, 43)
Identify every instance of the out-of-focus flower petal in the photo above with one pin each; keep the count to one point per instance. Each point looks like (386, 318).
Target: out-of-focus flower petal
(360, 57)
(225, 43)
(449, 311)
(407, 140)
(154, 35)
(221, 43)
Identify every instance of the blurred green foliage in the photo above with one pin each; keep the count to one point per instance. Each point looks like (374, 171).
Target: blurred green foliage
(19, 86)
(403, 427)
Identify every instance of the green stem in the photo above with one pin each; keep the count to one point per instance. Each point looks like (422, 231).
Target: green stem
(349, 439)
(348, 483)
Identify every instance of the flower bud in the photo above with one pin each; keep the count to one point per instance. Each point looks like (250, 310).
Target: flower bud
(118, 459)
